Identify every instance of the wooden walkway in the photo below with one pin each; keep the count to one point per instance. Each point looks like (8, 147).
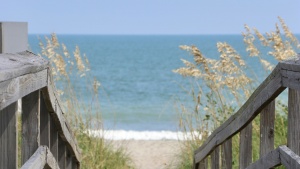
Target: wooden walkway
(262, 101)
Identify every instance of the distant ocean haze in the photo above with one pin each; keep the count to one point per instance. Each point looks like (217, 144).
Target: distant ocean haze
(135, 71)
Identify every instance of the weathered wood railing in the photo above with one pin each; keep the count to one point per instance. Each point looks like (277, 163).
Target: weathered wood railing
(47, 141)
(262, 101)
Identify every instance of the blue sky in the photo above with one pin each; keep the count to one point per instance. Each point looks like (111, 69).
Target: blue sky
(150, 16)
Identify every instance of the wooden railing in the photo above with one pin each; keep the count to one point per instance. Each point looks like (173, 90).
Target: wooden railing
(262, 101)
(47, 140)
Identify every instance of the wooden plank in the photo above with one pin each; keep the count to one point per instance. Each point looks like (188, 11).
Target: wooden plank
(288, 158)
(42, 158)
(227, 154)
(45, 124)
(269, 160)
(246, 146)
(267, 120)
(9, 137)
(53, 139)
(37, 160)
(14, 89)
(19, 64)
(293, 140)
(61, 153)
(261, 97)
(215, 158)
(30, 125)
(202, 164)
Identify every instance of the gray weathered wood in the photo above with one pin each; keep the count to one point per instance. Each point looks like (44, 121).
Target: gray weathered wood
(62, 155)
(42, 158)
(202, 164)
(262, 96)
(227, 154)
(8, 137)
(215, 158)
(30, 125)
(288, 158)
(267, 119)
(13, 89)
(246, 146)
(15, 65)
(45, 124)
(53, 139)
(293, 140)
(269, 160)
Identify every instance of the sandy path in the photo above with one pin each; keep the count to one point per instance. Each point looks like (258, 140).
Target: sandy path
(148, 154)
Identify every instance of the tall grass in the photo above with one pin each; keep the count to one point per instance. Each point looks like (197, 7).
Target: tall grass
(222, 85)
(68, 69)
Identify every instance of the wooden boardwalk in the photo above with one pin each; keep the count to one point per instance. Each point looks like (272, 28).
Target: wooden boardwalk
(262, 101)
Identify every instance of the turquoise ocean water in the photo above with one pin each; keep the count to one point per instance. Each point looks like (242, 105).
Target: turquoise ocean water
(135, 72)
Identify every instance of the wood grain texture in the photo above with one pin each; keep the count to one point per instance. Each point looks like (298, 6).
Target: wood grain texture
(42, 158)
(288, 158)
(293, 140)
(16, 88)
(269, 160)
(18, 64)
(53, 139)
(8, 137)
(227, 154)
(45, 123)
(30, 125)
(267, 120)
(246, 146)
(261, 97)
(215, 158)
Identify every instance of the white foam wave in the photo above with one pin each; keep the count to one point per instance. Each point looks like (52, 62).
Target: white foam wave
(141, 135)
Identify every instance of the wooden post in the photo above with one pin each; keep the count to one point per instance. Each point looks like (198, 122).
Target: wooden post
(45, 123)
(293, 140)
(13, 38)
(227, 154)
(61, 153)
(8, 137)
(267, 119)
(53, 139)
(30, 125)
(215, 158)
(246, 146)
(203, 164)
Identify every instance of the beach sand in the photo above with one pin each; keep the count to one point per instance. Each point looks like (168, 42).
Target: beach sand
(151, 154)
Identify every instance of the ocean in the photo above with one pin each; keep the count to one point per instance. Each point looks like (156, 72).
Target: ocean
(138, 88)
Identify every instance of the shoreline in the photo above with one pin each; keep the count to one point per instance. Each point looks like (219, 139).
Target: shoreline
(141, 135)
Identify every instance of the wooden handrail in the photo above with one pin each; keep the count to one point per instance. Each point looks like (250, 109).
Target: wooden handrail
(285, 75)
(27, 76)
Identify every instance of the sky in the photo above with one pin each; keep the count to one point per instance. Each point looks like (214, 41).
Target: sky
(150, 16)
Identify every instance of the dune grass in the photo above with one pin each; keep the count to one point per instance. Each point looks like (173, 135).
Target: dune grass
(82, 115)
(222, 85)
